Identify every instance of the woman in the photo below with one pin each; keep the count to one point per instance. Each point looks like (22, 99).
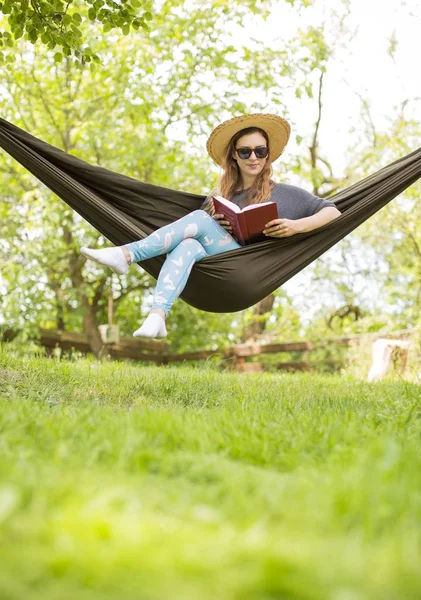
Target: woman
(245, 147)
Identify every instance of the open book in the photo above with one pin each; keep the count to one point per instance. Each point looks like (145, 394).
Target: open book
(247, 223)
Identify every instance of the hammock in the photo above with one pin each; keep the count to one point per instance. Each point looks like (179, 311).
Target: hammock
(124, 209)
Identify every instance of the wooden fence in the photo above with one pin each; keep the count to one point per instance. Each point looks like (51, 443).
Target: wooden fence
(158, 351)
(234, 357)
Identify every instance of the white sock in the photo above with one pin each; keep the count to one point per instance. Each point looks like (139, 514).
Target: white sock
(110, 257)
(153, 327)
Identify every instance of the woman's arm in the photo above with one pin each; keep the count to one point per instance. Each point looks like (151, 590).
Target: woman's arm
(287, 227)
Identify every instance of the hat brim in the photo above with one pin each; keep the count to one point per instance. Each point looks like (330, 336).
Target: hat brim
(277, 129)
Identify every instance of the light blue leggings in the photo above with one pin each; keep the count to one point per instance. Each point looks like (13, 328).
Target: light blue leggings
(185, 242)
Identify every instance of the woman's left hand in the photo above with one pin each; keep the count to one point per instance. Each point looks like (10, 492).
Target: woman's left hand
(279, 228)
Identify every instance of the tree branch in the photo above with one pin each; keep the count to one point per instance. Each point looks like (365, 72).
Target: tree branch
(47, 108)
(99, 291)
(48, 24)
(314, 144)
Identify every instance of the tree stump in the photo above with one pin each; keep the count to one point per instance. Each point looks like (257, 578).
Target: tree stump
(384, 352)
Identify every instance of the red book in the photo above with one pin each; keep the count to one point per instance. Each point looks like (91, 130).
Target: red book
(249, 222)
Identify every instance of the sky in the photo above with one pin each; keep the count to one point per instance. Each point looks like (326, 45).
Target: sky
(361, 63)
(361, 67)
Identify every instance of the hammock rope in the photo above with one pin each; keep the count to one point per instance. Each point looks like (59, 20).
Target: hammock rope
(124, 209)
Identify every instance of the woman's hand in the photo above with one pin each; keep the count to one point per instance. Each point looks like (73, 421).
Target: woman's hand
(280, 228)
(285, 227)
(223, 222)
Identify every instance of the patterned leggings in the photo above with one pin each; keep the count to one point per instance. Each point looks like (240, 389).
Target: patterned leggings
(185, 242)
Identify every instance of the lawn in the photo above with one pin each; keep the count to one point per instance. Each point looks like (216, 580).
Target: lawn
(120, 481)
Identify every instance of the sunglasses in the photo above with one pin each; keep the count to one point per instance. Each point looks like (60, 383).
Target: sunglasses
(259, 151)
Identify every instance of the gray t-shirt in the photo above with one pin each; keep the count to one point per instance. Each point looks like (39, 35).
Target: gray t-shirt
(292, 201)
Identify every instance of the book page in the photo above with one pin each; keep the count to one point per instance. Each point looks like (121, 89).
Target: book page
(251, 206)
(231, 205)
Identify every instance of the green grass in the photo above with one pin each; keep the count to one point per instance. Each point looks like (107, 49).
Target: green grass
(123, 482)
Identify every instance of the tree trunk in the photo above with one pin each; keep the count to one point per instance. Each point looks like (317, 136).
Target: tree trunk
(257, 325)
(90, 327)
(60, 309)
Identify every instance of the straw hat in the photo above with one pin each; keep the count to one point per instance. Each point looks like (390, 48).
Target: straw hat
(276, 127)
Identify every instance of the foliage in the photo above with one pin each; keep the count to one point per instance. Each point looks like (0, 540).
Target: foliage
(60, 25)
(126, 116)
(57, 24)
(121, 481)
(377, 270)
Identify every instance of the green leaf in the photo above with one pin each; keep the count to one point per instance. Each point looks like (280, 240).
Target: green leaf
(44, 9)
(126, 29)
(67, 19)
(77, 18)
(77, 32)
(33, 36)
(92, 14)
(148, 16)
(58, 57)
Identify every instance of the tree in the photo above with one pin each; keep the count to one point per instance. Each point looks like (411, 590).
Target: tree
(122, 116)
(311, 166)
(373, 281)
(393, 235)
(57, 23)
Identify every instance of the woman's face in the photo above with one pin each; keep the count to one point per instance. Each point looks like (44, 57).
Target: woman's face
(251, 166)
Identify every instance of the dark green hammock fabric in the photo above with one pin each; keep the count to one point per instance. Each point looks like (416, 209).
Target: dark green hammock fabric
(124, 209)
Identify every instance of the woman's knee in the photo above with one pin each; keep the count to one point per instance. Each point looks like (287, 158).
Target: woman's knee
(200, 213)
(200, 216)
(191, 247)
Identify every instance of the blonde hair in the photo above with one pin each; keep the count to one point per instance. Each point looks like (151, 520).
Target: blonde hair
(230, 178)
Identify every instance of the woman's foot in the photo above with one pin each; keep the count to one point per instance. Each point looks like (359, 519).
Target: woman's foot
(153, 327)
(115, 258)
